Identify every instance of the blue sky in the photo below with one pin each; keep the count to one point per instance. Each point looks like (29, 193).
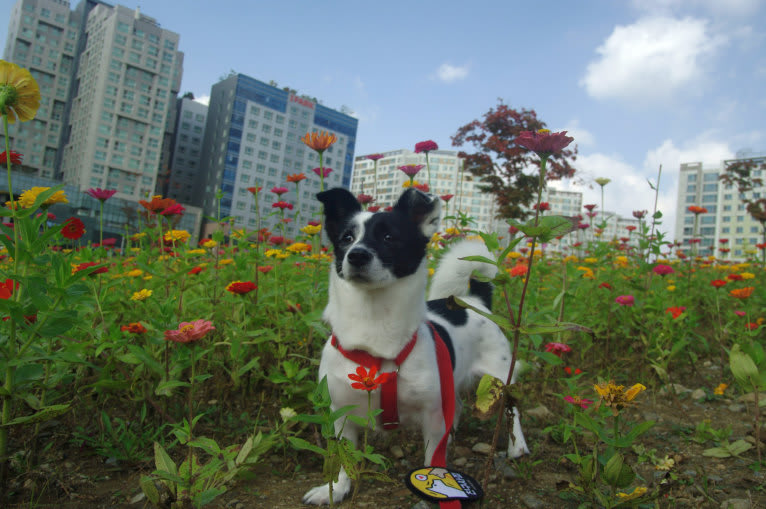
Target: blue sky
(638, 83)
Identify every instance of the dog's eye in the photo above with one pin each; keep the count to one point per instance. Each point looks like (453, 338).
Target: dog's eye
(347, 238)
(388, 237)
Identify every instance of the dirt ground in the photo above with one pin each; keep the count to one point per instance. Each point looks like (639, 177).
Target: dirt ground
(71, 477)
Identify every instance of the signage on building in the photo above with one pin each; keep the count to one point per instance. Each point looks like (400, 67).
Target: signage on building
(302, 101)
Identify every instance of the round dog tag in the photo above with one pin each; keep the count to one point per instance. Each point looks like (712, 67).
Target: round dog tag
(438, 484)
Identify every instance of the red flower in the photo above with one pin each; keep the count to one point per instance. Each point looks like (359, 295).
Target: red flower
(174, 210)
(513, 230)
(157, 204)
(364, 199)
(718, 283)
(322, 172)
(188, 332)
(734, 277)
(241, 287)
(86, 265)
(423, 187)
(426, 146)
(101, 194)
(590, 207)
(569, 371)
(296, 177)
(544, 142)
(196, 270)
(366, 381)
(277, 240)
(630, 228)
(751, 326)
(694, 209)
(254, 190)
(265, 269)
(557, 348)
(639, 214)
(410, 169)
(518, 270)
(761, 245)
(373, 208)
(375, 157)
(543, 206)
(663, 270)
(605, 285)
(7, 288)
(625, 300)
(319, 141)
(73, 228)
(447, 197)
(15, 157)
(281, 205)
(133, 328)
(279, 191)
(723, 241)
(675, 311)
(294, 308)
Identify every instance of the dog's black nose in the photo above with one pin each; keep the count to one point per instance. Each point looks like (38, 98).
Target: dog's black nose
(359, 257)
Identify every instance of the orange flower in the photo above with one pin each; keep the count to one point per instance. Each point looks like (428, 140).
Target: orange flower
(742, 293)
(296, 177)
(133, 328)
(694, 209)
(319, 141)
(158, 204)
(518, 270)
(366, 381)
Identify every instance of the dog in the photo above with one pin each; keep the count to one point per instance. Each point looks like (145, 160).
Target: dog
(377, 305)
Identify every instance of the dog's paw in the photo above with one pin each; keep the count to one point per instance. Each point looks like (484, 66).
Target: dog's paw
(320, 495)
(518, 448)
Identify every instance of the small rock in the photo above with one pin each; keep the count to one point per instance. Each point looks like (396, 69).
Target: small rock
(481, 448)
(461, 450)
(736, 503)
(715, 478)
(505, 469)
(750, 398)
(397, 452)
(137, 498)
(736, 407)
(673, 388)
(707, 364)
(690, 473)
(460, 462)
(698, 394)
(539, 412)
(422, 505)
(532, 502)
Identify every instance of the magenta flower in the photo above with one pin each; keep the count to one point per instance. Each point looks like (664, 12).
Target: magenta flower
(282, 205)
(639, 214)
(557, 348)
(583, 226)
(375, 157)
(365, 199)
(544, 142)
(740, 313)
(101, 194)
(625, 300)
(590, 206)
(189, 332)
(663, 270)
(411, 169)
(576, 400)
(279, 191)
(322, 172)
(174, 210)
(447, 197)
(426, 146)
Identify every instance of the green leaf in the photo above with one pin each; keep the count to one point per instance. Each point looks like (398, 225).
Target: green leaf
(489, 396)
(164, 464)
(501, 321)
(490, 240)
(207, 496)
(742, 366)
(548, 357)
(301, 444)
(617, 473)
(44, 414)
(149, 489)
(166, 387)
(554, 328)
(479, 258)
(547, 227)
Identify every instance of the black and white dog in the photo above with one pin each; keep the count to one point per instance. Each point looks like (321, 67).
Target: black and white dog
(376, 303)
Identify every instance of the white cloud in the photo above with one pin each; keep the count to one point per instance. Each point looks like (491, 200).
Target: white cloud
(582, 137)
(203, 99)
(449, 73)
(651, 59)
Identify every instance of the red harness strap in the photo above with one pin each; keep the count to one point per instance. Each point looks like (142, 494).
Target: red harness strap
(388, 395)
(388, 391)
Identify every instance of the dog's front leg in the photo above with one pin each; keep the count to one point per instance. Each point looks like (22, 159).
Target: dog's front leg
(433, 431)
(320, 495)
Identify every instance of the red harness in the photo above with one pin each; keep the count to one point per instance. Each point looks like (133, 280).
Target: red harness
(388, 394)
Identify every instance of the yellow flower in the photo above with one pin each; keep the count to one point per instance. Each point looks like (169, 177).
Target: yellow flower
(19, 93)
(430, 271)
(177, 236)
(638, 492)
(196, 251)
(407, 183)
(570, 258)
(141, 295)
(148, 277)
(225, 261)
(590, 260)
(272, 253)
(135, 273)
(135, 249)
(665, 464)
(587, 272)
(209, 243)
(621, 261)
(298, 247)
(28, 197)
(452, 231)
(671, 288)
(747, 275)
(512, 255)
(718, 391)
(615, 396)
(137, 236)
(238, 234)
(311, 229)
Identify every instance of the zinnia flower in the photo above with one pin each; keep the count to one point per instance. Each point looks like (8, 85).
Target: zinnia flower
(366, 381)
(86, 265)
(615, 396)
(73, 228)
(605, 285)
(133, 328)
(196, 270)
(19, 93)
(174, 210)
(602, 181)
(279, 191)
(544, 142)
(543, 206)
(296, 177)
(518, 270)
(282, 205)
(742, 293)
(157, 204)
(176, 236)
(694, 209)
(28, 197)
(590, 206)
(322, 172)
(254, 190)
(675, 311)
(101, 194)
(311, 229)
(577, 400)
(639, 214)
(447, 197)
(663, 270)
(142, 294)
(411, 169)
(241, 287)
(265, 269)
(718, 283)
(319, 141)
(375, 157)
(426, 146)
(625, 300)
(720, 389)
(15, 157)
(189, 332)
(364, 199)
(7, 287)
(557, 348)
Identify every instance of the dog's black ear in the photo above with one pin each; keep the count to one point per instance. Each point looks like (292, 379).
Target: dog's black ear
(424, 210)
(339, 205)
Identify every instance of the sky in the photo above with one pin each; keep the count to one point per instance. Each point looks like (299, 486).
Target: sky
(639, 84)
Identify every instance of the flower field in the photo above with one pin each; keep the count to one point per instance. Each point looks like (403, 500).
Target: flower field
(176, 373)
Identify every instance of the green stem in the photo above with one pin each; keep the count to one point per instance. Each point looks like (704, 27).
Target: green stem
(101, 226)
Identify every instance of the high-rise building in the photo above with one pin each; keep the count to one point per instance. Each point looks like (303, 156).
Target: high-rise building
(252, 138)
(108, 79)
(726, 216)
(178, 179)
(447, 177)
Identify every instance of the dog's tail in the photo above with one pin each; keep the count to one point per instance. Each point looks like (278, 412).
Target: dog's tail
(453, 276)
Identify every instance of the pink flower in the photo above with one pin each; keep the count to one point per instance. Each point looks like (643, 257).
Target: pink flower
(625, 300)
(189, 332)
(447, 197)
(639, 214)
(364, 199)
(576, 400)
(590, 207)
(544, 142)
(426, 146)
(411, 169)
(557, 348)
(282, 205)
(322, 172)
(663, 270)
(583, 226)
(174, 210)
(101, 194)
(740, 313)
(373, 208)
(279, 191)
(375, 157)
